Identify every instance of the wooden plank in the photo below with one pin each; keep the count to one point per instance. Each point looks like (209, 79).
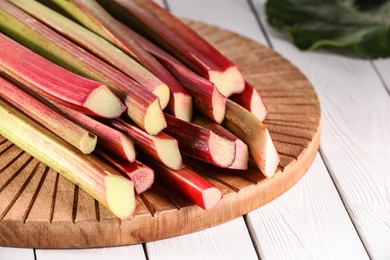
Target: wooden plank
(135, 252)
(306, 224)
(16, 253)
(382, 66)
(356, 134)
(228, 241)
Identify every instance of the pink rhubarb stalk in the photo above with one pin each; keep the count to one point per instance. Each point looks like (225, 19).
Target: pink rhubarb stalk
(201, 143)
(56, 83)
(141, 175)
(180, 40)
(242, 153)
(108, 137)
(72, 133)
(252, 101)
(188, 183)
(143, 107)
(161, 147)
(97, 45)
(251, 131)
(97, 19)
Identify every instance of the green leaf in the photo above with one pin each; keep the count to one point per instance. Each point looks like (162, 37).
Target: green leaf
(363, 25)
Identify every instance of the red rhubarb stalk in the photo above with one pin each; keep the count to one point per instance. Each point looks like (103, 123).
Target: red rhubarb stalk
(54, 82)
(242, 153)
(251, 131)
(201, 143)
(208, 100)
(141, 175)
(181, 41)
(97, 45)
(252, 101)
(108, 137)
(161, 147)
(143, 107)
(72, 133)
(188, 183)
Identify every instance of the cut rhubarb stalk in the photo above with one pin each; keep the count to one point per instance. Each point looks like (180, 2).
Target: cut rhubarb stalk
(242, 153)
(109, 138)
(208, 100)
(98, 179)
(143, 107)
(98, 20)
(188, 183)
(72, 133)
(98, 46)
(201, 143)
(161, 147)
(181, 41)
(249, 129)
(54, 82)
(141, 175)
(252, 101)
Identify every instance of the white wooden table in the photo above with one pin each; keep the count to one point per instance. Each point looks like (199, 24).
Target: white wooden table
(340, 209)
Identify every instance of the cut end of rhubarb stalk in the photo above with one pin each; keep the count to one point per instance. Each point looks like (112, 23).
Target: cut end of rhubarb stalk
(169, 153)
(88, 143)
(162, 92)
(154, 120)
(143, 179)
(219, 105)
(211, 197)
(183, 108)
(104, 103)
(272, 158)
(229, 81)
(242, 156)
(258, 107)
(120, 196)
(222, 150)
(128, 148)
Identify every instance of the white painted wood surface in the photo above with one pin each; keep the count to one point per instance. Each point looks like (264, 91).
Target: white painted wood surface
(309, 221)
(228, 241)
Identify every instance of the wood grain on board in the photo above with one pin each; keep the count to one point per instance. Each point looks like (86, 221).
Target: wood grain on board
(35, 202)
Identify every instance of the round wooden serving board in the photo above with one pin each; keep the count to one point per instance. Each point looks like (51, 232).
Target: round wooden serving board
(41, 209)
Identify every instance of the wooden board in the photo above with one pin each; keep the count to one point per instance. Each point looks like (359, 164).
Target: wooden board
(40, 209)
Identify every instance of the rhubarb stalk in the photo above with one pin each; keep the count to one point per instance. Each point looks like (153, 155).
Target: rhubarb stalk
(242, 153)
(201, 143)
(108, 137)
(102, 182)
(161, 147)
(251, 131)
(97, 19)
(180, 40)
(141, 175)
(188, 183)
(252, 101)
(72, 133)
(208, 100)
(143, 107)
(98, 46)
(54, 82)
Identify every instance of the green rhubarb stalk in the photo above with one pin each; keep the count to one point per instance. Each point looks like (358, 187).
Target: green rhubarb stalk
(98, 46)
(253, 133)
(98, 179)
(143, 107)
(72, 133)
